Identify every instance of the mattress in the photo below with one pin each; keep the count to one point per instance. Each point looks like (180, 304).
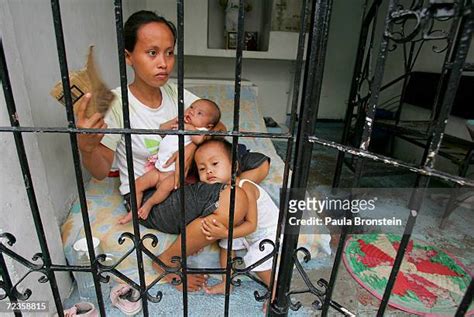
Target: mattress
(105, 203)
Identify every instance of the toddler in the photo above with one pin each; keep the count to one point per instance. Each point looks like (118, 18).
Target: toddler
(260, 221)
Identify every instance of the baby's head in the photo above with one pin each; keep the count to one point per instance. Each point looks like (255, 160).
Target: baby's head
(203, 113)
(214, 161)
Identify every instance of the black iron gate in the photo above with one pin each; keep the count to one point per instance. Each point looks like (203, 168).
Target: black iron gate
(317, 15)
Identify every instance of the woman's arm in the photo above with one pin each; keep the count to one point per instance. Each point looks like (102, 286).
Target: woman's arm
(258, 174)
(96, 158)
(221, 214)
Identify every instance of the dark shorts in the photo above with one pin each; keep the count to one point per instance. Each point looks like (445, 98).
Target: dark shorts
(200, 198)
(250, 160)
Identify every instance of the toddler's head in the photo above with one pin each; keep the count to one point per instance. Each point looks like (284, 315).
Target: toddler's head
(203, 113)
(214, 161)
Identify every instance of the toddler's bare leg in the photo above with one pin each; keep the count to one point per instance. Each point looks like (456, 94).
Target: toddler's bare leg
(125, 219)
(220, 288)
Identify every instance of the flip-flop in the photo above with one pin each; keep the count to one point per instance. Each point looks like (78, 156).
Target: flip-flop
(119, 296)
(83, 309)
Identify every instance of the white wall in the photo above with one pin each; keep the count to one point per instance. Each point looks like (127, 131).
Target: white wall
(274, 78)
(28, 37)
(38, 59)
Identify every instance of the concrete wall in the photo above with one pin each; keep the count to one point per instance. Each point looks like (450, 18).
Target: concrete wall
(38, 59)
(28, 37)
(274, 78)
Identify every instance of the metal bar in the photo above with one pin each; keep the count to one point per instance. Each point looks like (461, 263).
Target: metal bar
(25, 169)
(447, 65)
(353, 93)
(58, 29)
(242, 134)
(364, 145)
(459, 54)
(387, 85)
(372, 12)
(180, 42)
(235, 139)
(468, 67)
(129, 153)
(466, 301)
(393, 162)
(305, 10)
(6, 282)
(315, 57)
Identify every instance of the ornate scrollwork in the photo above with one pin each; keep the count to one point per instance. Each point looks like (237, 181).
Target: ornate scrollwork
(416, 24)
(112, 268)
(3, 294)
(319, 293)
(247, 270)
(33, 268)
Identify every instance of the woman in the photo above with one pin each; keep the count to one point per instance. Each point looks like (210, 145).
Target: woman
(149, 50)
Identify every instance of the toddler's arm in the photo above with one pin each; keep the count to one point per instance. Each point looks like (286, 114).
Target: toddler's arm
(214, 230)
(221, 214)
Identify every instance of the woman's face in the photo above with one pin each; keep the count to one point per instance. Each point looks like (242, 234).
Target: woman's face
(213, 164)
(153, 56)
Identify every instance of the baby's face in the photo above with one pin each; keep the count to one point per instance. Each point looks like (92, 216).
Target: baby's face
(200, 114)
(213, 164)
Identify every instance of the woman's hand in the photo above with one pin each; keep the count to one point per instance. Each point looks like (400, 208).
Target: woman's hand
(88, 142)
(188, 160)
(96, 158)
(213, 229)
(168, 125)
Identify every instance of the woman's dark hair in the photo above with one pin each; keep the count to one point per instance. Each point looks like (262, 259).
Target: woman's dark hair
(139, 19)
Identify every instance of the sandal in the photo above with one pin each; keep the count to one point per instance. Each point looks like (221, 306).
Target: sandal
(120, 295)
(83, 309)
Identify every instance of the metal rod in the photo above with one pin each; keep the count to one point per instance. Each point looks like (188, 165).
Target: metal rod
(305, 10)
(235, 140)
(75, 150)
(460, 49)
(25, 169)
(129, 153)
(353, 92)
(395, 163)
(364, 145)
(466, 301)
(7, 284)
(180, 42)
(242, 134)
(315, 57)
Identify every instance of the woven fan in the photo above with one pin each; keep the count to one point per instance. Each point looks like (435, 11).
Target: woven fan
(84, 81)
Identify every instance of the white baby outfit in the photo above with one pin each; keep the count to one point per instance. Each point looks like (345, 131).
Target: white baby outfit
(168, 146)
(267, 221)
(141, 117)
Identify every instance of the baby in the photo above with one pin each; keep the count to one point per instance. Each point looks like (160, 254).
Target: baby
(203, 114)
(260, 222)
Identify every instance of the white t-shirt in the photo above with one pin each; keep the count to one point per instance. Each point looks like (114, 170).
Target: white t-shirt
(168, 146)
(145, 147)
